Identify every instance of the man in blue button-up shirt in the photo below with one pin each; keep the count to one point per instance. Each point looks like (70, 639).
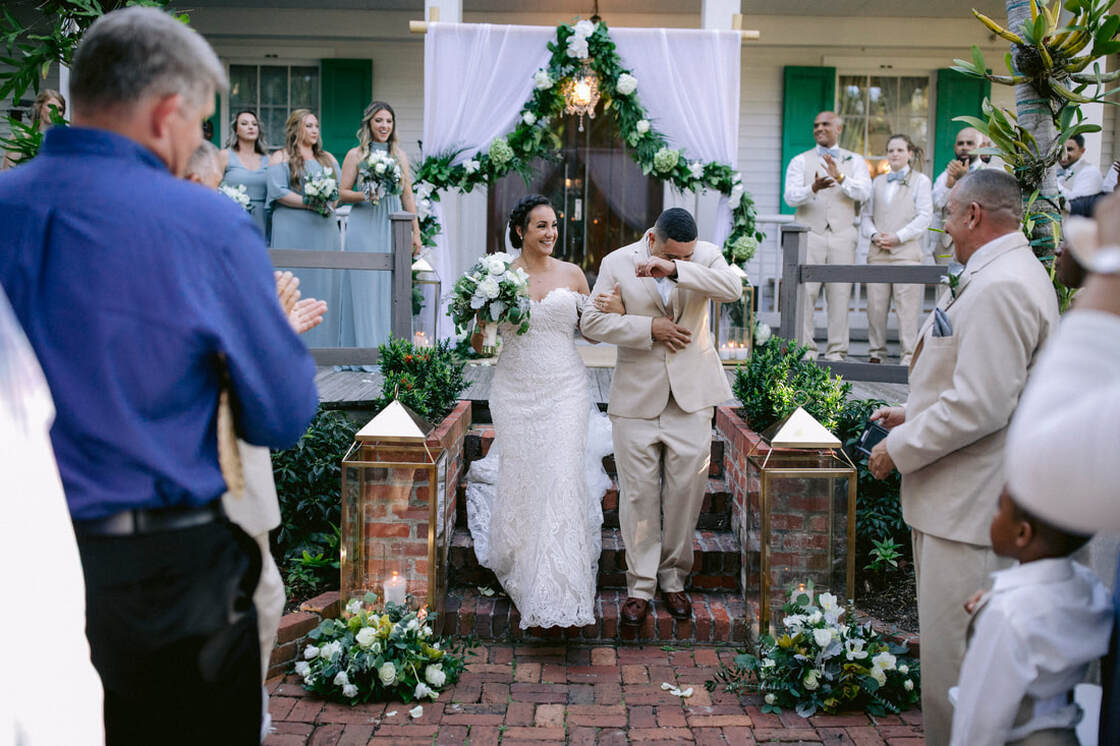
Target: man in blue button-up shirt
(137, 289)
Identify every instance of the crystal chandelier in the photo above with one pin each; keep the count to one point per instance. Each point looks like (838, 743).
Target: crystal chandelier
(581, 93)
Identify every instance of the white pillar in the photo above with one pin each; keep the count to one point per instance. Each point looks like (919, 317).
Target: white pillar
(64, 85)
(449, 11)
(718, 14)
(1094, 114)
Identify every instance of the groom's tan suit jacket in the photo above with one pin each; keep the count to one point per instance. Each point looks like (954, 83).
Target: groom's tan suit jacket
(647, 371)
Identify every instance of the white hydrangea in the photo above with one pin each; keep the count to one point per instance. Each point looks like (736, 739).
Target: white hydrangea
(642, 127)
(696, 170)
(542, 81)
(472, 166)
(626, 84)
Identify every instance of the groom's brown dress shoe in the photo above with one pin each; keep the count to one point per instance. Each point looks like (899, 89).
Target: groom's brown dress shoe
(678, 604)
(634, 611)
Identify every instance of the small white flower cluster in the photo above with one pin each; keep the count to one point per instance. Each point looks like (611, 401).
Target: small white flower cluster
(577, 42)
(626, 84)
(542, 81)
(380, 175)
(736, 195)
(642, 127)
(238, 194)
(320, 191)
(423, 192)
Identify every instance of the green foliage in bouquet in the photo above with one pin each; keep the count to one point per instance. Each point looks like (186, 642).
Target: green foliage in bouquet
(821, 663)
(494, 290)
(383, 655)
(428, 380)
(778, 379)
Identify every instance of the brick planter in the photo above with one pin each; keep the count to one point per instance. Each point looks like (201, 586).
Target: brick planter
(291, 638)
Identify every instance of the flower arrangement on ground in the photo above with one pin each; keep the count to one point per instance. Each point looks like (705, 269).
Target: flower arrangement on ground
(823, 664)
(320, 191)
(380, 174)
(364, 655)
(491, 291)
(238, 194)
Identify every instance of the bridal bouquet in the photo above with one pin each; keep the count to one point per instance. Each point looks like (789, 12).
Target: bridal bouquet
(380, 174)
(391, 655)
(238, 194)
(493, 292)
(320, 191)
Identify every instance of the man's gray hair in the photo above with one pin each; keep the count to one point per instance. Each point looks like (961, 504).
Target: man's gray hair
(994, 190)
(204, 160)
(137, 52)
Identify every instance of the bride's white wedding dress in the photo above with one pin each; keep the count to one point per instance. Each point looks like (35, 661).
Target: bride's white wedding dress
(534, 503)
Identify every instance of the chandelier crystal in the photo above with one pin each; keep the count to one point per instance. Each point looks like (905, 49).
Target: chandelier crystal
(581, 93)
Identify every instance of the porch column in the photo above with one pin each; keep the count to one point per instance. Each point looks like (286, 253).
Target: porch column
(447, 11)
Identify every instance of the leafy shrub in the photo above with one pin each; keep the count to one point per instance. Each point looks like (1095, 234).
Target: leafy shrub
(778, 379)
(426, 379)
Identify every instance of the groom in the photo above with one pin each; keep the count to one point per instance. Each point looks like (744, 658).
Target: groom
(666, 382)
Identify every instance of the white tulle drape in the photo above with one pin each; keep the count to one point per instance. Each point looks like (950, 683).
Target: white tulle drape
(477, 78)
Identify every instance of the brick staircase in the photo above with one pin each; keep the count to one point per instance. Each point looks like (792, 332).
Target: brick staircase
(719, 611)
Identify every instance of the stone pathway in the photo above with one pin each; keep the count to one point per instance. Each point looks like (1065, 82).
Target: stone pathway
(534, 693)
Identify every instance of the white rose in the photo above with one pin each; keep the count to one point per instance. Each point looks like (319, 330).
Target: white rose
(471, 166)
(435, 676)
(529, 118)
(769, 699)
(696, 169)
(379, 168)
(904, 669)
(541, 80)
(884, 661)
(366, 636)
(303, 668)
(331, 650)
(762, 334)
(341, 679)
(584, 29)
(878, 675)
(908, 685)
(423, 690)
(577, 48)
(350, 691)
(490, 289)
(626, 84)
(310, 652)
(354, 606)
(811, 681)
(822, 637)
(642, 126)
(387, 673)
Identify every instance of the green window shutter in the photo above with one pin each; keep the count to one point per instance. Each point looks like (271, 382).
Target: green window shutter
(216, 121)
(347, 86)
(957, 95)
(807, 92)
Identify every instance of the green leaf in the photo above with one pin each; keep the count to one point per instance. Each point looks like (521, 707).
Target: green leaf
(978, 59)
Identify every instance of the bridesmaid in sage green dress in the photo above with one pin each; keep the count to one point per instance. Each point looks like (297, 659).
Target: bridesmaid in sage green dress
(245, 162)
(296, 225)
(366, 295)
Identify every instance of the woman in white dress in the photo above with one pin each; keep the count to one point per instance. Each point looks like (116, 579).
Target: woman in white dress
(534, 504)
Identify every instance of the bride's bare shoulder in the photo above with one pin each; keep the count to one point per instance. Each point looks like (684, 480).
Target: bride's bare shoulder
(575, 278)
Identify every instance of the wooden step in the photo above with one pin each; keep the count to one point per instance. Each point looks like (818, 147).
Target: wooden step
(717, 618)
(717, 562)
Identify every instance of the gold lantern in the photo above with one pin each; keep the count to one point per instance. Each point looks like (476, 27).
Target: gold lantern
(397, 517)
(426, 299)
(732, 324)
(806, 505)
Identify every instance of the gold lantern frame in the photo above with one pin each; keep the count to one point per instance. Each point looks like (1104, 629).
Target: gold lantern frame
(424, 275)
(799, 447)
(747, 303)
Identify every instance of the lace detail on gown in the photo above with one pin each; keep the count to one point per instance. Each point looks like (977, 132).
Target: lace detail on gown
(534, 504)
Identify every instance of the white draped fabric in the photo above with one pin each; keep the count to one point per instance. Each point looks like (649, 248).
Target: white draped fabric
(477, 78)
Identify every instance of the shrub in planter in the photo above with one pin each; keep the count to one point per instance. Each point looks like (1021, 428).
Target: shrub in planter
(778, 379)
(426, 379)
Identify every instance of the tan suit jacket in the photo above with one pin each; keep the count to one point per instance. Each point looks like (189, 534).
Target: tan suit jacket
(965, 387)
(647, 372)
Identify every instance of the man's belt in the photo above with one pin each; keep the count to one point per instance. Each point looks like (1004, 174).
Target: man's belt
(150, 521)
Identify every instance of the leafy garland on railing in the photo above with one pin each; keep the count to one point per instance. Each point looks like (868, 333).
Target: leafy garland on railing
(535, 137)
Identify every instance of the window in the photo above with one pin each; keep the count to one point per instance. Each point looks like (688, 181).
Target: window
(875, 107)
(273, 91)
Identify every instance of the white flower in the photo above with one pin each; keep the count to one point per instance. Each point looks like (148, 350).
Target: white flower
(577, 47)
(379, 168)
(416, 711)
(387, 673)
(488, 288)
(350, 691)
(341, 679)
(854, 650)
(832, 609)
(794, 622)
(626, 84)
(696, 169)
(584, 29)
(331, 650)
(642, 126)
(303, 668)
(884, 661)
(310, 652)
(423, 690)
(768, 663)
(736, 196)
(496, 266)
(811, 680)
(878, 675)
(761, 334)
(424, 189)
(366, 636)
(822, 637)
(424, 208)
(541, 80)
(529, 118)
(769, 699)
(434, 675)
(904, 669)
(815, 617)
(471, 166)
(426, 631)
(354, 606)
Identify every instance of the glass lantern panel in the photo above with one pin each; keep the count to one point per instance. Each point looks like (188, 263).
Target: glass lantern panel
(425, 309)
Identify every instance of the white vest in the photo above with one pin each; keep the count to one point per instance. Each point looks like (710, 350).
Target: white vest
(828, 208)
(892, 216)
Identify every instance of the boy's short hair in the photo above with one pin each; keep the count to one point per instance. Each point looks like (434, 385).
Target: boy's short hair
(1059, 541)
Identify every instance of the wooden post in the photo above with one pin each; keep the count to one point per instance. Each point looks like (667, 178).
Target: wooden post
(401, 307)
(795, 252)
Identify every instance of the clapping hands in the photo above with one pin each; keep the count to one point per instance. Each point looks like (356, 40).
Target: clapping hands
(303, 314)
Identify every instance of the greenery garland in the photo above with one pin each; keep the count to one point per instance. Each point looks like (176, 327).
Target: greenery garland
(535, 136)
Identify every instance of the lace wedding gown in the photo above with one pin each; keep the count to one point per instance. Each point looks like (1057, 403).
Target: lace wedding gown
(534, 504)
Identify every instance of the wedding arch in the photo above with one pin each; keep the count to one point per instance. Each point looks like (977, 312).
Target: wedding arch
(493, 103)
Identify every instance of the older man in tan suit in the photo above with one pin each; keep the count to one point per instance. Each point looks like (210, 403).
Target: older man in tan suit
(667, 380)
(970, 366)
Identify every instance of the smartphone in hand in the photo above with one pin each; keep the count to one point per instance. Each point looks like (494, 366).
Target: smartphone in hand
(870, 437)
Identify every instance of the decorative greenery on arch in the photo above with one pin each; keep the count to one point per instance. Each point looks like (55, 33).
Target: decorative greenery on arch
(535, 137)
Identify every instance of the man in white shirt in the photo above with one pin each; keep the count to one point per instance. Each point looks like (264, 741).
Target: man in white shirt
(1109, 183)
(1077, 177)
(966, 161)
(895, 219)
(826, 185)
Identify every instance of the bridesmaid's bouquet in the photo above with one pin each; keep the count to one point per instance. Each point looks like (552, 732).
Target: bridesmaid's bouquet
(320, 191)
(492, 292)
(238, 194)
(381, 175)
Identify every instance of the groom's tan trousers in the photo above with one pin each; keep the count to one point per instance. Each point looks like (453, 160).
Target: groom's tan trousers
(662, 471)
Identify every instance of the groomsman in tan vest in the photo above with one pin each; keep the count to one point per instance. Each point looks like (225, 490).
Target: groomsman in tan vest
(895, 219)
(965, 161)
(826, 185)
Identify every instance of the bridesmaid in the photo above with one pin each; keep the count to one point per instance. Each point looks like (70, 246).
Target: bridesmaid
(298, 226)
(366, 295)
(245, 162)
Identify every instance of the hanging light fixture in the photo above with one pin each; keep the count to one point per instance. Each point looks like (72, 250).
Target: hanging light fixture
(581, 93)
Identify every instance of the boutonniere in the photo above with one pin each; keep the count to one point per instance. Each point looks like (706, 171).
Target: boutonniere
(953, 278)
(848, 157)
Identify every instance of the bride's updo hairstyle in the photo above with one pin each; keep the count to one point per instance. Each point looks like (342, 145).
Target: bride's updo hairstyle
(519, 218)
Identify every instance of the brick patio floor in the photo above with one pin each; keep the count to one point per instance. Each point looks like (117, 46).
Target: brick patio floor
(534, 693)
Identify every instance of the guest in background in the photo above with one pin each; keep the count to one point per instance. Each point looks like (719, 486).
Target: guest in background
(366, 295)
(826, 185)
(244, 161)
(895, 219)
(968, 141)
(1077, 177)
(296, 224)
(48, 105)
(1109, 183)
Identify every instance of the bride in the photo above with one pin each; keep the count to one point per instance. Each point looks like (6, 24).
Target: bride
(534, 503)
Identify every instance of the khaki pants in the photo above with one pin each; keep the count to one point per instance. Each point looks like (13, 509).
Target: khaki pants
(948, 572)
(829, 248)
(269, 600)
(907, 300)
(662, 470)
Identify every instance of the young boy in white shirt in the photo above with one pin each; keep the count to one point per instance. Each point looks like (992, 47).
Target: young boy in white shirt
(1032, 637)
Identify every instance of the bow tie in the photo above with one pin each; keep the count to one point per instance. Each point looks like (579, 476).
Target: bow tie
(1065, 173)
(896, 176)
(834, 152)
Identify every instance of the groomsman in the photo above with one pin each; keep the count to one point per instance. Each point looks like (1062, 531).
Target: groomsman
(1077, 177)
(827, 185)
(966, 161)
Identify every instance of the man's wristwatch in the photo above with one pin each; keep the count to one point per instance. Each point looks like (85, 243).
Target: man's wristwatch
(841, 179)
(1105, 261)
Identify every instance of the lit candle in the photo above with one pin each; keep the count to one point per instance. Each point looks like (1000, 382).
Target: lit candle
(420, 339)
(395, 590)
(724, 352)
(740, 351)
(808, 591)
